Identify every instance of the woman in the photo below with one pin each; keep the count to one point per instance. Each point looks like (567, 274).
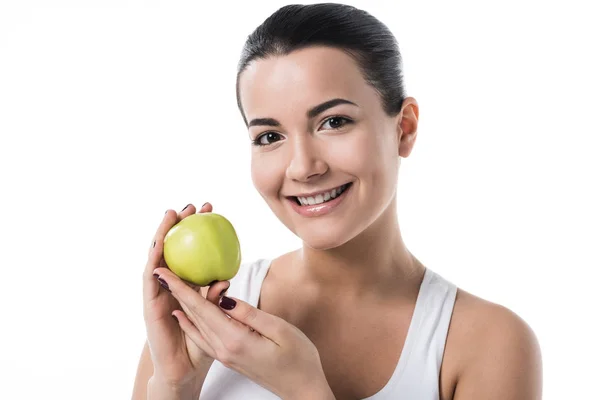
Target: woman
(353, 314)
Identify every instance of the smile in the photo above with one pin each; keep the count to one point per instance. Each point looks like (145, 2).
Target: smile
(322, 197)
(318, 204)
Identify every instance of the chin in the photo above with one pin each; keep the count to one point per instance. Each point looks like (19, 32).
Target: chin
(321, 243)
(324, 239)
(316, 234)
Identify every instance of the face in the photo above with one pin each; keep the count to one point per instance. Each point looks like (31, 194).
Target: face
(328, 169)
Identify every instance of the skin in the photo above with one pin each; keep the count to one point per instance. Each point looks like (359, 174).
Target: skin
(354, 261)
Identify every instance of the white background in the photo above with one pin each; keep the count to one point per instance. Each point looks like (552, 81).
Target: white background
(113, 111)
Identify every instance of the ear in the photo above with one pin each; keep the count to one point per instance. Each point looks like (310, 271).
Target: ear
(408, 120)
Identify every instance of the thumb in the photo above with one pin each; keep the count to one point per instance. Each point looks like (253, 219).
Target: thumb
(268, 325)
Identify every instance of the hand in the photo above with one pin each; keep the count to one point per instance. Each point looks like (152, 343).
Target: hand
(177, 360)
(265, 348)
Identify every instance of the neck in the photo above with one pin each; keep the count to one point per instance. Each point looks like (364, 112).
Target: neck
(376, 259)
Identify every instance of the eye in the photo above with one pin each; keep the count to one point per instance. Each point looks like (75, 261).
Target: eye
(266, 139)
(336, 122)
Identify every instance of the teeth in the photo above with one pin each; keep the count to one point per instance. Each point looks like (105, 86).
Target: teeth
(321, 198)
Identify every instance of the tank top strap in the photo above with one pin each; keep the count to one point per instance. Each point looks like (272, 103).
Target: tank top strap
(445, 300)
(435, 312)
(432, 315)
(247, 283)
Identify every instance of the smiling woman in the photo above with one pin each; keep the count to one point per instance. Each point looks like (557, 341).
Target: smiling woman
(352, 314)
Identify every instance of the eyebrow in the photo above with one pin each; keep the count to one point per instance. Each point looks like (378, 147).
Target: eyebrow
(313, 112)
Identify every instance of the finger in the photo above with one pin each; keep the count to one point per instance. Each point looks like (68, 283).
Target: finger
(216, 290)
(151, 287)
(206, 207)
(204, 314)
(212, 292)
(181, 306)
(186, 212)
(220, 288)
(268, 325)
(193, 333)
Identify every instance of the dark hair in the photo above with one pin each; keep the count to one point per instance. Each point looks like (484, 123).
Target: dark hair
(354, 31)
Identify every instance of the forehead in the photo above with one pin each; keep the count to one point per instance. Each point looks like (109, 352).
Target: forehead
(299, 80)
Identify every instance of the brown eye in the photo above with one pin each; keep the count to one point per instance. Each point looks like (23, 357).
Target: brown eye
(266, 139)
(336, 122)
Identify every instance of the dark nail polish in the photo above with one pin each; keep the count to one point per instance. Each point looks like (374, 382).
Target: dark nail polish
(223, 292)
(227, 303)
(154, 244)
(175, 318)
(204, 204)
(155, 275)
(184, 208)
(164, 284)
(166, 212)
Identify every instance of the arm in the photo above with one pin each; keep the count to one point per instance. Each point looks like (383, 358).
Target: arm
(148, 387)
(144, 372)
(506, 363)
(317, 393)
(316, 390)
(158, 390)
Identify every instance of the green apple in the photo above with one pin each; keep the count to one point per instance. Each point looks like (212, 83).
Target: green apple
(203, 248)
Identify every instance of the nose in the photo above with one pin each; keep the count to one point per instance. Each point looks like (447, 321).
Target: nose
(305, 160)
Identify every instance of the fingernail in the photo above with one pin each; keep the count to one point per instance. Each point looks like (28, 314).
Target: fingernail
(185, 207)
(166, 212)
(227, 303)
(204, 204)
(223, 292)
(163, 283)
(154, 244)
(175, 318)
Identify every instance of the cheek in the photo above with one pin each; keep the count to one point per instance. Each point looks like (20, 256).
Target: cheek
(265, 174)
(360, 153)
(374, 158)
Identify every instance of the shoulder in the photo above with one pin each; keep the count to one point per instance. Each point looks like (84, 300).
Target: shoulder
(496, 354)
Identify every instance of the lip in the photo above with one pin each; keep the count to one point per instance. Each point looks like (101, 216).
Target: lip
(313, 194)
(317, 210)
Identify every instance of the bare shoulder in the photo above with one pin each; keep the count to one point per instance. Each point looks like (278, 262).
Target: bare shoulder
(494, 353)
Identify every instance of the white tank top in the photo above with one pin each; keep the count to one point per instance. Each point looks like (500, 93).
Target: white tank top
(417, 373)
